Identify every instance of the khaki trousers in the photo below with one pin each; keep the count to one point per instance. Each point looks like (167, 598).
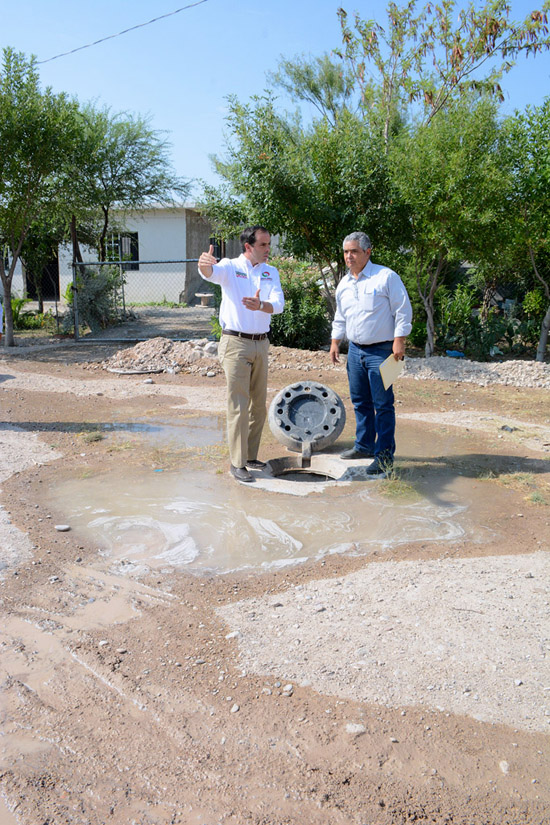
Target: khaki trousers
(245, 365)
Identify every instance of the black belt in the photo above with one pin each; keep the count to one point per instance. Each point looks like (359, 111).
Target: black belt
(252, 337)
(374, 344)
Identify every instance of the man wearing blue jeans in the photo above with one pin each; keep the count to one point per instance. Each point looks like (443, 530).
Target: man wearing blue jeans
(374, 312)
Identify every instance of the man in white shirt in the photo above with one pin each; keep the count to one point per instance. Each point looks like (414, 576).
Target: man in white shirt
(251, 293)
(374, 312)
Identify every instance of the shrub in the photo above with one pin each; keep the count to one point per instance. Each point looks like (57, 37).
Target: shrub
(96, 296)
(304, 322)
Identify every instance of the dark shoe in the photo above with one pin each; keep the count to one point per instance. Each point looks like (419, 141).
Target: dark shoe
(241, 473)
(256, 464)
(353, 453)
(380, 468)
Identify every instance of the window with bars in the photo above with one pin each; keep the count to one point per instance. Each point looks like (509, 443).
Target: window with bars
(124, 246)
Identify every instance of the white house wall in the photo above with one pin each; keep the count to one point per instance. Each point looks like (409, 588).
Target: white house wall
(162, 236)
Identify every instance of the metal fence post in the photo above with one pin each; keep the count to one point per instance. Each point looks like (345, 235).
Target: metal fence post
(75, 303)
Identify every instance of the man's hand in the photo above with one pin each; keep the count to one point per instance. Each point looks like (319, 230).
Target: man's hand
(253, 303)
(335, 352)
(207, 261)
(399, 348)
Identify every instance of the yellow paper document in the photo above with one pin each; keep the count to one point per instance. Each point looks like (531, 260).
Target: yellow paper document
(390, 369)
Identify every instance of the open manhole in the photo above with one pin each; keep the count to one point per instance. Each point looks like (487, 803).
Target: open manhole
(304, 475)
(317, 470)
(307, 417)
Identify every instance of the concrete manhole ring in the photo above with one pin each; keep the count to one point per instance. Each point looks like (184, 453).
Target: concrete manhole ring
(306, 415)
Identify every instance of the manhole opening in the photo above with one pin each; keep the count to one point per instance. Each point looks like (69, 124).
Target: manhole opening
(305, 475)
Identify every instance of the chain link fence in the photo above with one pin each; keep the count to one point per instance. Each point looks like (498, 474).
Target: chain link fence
(107, 293)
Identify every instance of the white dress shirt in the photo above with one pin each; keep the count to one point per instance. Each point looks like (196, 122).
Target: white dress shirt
(239, 279)
(373, 307)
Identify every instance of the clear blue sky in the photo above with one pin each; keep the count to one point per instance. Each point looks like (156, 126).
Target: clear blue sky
(179, 70)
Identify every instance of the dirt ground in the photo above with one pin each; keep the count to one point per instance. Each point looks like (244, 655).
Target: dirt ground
(386, 685)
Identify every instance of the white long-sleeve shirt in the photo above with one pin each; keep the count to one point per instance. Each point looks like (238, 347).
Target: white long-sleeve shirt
(373, 307)
(239, 279)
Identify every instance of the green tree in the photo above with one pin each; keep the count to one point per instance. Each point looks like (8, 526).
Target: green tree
(527, 150)
(312, 186)
(37, 132)
(432, 57)
(450, 176)
(122, 163)
(327, 85)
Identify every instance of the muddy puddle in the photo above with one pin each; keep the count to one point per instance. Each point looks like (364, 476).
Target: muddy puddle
(193, 431)
(200, 520)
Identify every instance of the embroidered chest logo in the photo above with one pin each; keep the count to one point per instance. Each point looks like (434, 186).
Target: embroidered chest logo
(266, 275)
(240, 274)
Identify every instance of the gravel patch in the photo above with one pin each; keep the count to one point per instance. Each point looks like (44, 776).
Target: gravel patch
(462, 636)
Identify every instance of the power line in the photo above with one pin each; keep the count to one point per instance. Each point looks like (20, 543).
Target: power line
(131, 29)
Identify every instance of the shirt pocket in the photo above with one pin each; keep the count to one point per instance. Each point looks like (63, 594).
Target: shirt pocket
(366, 300)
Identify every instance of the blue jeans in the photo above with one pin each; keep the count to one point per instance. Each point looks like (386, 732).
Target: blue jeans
(373, 405)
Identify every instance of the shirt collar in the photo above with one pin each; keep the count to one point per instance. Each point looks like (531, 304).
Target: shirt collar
(246, 263)
(363, 274)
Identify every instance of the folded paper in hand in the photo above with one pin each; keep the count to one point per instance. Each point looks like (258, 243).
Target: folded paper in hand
(390, 369)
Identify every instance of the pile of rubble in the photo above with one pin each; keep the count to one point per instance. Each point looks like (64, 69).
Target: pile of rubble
(199, 357)
(163, 355)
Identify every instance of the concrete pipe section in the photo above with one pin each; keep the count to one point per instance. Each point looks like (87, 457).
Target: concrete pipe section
(307, 417)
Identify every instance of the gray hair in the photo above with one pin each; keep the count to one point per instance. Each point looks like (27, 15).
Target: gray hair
(362, 239)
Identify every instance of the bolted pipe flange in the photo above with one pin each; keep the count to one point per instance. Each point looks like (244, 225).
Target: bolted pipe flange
(306, 413)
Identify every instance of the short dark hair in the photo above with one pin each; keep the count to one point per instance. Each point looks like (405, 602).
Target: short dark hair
(248, 235)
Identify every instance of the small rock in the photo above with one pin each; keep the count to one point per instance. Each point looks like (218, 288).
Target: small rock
(53, 579)
(518, 682)
(504, 767)
(233, 635)
(288, 690)
(62, 528)
(148, 381)
(103, 642)
(235, 708)
(355, 729)
(121, 650)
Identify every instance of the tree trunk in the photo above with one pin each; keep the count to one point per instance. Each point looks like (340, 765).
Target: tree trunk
(77, 255)
(545, 326)
(543, 340)
(427, 294)
(430, 330)
(103, 236)
(7, 280)
(8, 314)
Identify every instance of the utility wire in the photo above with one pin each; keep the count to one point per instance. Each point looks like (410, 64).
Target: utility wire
(131, 29)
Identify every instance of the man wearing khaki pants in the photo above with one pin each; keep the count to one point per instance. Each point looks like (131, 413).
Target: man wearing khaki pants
(251, 292)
